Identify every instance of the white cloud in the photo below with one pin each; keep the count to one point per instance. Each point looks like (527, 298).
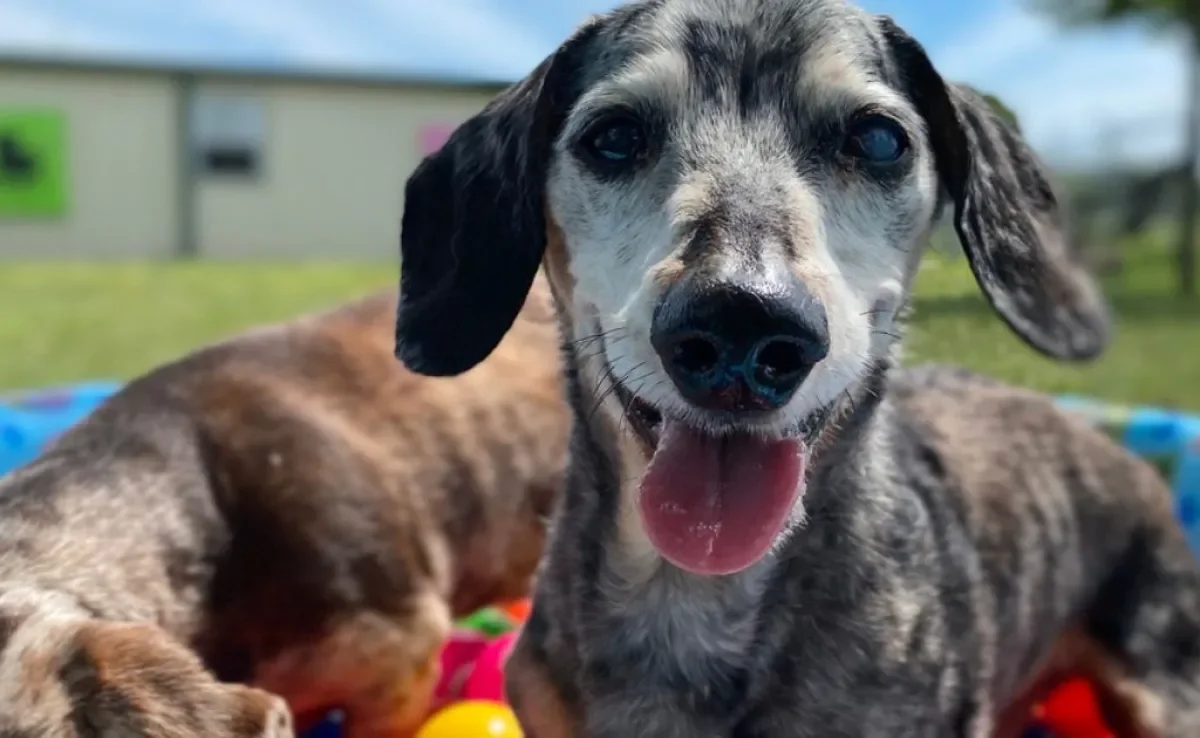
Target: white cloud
(997, 40)
(475, 30)
(1106, 102)
(468, 37)
(1083, 96)
(31, 26)
(302, 33)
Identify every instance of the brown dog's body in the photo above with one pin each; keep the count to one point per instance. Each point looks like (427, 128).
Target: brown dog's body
(292, 507)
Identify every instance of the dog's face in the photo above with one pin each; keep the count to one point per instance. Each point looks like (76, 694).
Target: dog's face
(742, 192)
(731, 198)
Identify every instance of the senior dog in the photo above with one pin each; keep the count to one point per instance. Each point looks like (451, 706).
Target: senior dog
(769, 531)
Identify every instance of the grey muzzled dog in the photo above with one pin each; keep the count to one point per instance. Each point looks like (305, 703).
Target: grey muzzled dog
(768, 530)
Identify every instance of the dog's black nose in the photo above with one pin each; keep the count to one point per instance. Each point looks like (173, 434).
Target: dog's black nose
(735, 347)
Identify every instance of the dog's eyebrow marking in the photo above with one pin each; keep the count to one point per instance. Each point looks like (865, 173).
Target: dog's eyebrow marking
(833, 65)
(728, 62)
(652, 85)
(876, 58)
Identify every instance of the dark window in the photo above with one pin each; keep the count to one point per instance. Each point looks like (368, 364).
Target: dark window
(227, 130)
(229, 160)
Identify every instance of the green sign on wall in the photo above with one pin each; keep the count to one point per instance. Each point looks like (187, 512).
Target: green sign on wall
(33, 163)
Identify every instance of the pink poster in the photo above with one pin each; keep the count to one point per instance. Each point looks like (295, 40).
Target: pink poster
(433, 135)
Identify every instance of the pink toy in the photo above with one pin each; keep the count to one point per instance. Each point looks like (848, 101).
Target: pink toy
(486, 680)
(459, 655)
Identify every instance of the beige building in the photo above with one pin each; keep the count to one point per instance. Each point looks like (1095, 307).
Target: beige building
(105, 160)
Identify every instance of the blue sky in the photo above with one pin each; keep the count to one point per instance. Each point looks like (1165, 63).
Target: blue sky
(1082, 95)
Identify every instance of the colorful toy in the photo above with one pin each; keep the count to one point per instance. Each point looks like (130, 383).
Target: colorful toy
(459, 655)
(519, 610)
(486, 678)
(490, 621)
(1071, 711)
(1161, 437)
(330, 727)
(472, 719)
(1187, 484)
(31, 420)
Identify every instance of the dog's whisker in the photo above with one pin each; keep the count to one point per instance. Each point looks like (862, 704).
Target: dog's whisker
(595, 337)
(613, 383)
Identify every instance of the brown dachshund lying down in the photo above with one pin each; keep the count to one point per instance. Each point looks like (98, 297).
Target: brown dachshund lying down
(291, 509)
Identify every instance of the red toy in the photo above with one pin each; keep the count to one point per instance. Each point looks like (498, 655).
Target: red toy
(472, 660)
(519, 610)
(459, 654)
(1072, 711)
(486, 680)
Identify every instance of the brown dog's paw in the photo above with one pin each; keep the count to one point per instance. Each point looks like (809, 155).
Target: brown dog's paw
(135, 681)
(380, 671)
(259, 714)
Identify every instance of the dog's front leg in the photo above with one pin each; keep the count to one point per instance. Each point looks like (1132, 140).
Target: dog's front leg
(544, 712)
(536, 699)
(131, 680)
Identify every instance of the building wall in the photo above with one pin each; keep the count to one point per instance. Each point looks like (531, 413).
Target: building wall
(335, 159)
(122, 164)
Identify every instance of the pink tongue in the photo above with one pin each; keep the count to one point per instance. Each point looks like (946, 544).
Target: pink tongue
(715, 505)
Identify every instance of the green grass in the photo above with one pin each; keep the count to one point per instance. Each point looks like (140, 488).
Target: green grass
(65, 322)
(1154, 358)
(62, 322)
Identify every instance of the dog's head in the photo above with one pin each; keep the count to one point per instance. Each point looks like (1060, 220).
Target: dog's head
(731, 196)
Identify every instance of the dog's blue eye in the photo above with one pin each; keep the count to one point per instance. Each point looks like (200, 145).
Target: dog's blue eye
(617, 142)
(877, 140)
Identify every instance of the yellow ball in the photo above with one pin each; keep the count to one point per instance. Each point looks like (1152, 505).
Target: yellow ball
(472, 719)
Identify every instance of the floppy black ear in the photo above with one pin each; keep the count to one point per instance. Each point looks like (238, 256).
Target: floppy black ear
(474, 229)
(1007, 216)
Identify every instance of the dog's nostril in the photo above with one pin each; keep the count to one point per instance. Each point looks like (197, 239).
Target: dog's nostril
(780, 363)
(696, 355)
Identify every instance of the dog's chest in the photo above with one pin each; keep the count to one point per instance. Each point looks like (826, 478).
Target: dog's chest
(676, 638)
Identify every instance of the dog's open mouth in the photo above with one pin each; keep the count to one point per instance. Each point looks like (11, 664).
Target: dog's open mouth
(713, 504)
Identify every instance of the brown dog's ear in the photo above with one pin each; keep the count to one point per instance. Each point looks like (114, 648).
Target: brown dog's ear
(1007, 216)
(474, 227)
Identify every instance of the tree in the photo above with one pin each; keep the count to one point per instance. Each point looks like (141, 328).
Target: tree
(1162, 14)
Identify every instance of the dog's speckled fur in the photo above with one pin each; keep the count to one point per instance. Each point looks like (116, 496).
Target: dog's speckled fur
(959, 542)
(290, 509)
